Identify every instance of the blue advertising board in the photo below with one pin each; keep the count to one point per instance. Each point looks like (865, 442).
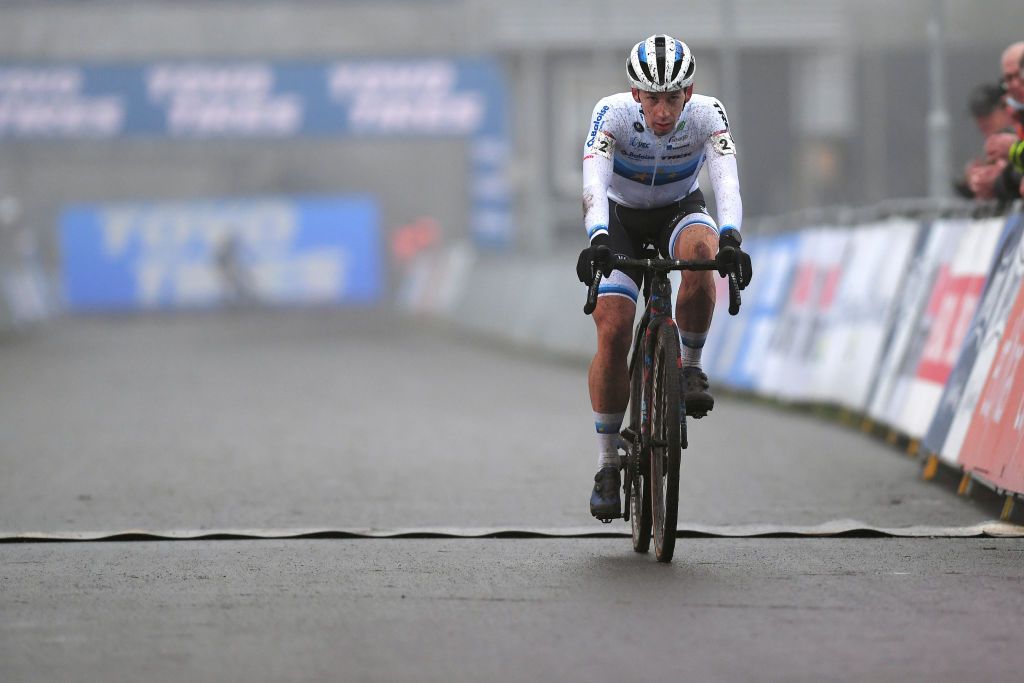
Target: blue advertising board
(166, 255)
(749, 334)
(217, 99)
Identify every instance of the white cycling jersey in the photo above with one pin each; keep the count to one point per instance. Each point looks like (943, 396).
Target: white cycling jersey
(625, 161)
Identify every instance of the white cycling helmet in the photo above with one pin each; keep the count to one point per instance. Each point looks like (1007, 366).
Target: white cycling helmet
(660, 64)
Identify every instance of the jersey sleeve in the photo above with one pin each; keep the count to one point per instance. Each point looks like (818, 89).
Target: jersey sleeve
(598, 162)
(720, 152)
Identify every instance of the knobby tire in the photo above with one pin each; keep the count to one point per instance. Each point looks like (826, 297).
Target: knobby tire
(640, 490)
(664, 453)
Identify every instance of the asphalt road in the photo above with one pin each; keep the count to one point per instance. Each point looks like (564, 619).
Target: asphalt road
(358, 420)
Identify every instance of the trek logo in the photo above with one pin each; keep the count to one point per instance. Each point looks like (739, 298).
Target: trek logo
(721, 112)
(597, 125)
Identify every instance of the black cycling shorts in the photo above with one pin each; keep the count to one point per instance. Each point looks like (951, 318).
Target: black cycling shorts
(630, 231)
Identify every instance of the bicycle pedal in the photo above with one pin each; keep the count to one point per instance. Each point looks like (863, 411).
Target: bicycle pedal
(607, 521)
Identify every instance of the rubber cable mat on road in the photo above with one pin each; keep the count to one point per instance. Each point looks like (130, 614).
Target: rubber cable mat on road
(838, 528)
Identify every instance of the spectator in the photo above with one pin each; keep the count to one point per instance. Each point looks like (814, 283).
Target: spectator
(1015, 97)
(997, 178)
(988, 108)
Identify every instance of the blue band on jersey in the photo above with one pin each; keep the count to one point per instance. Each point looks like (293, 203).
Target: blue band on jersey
(728, 227)
(665, 174)
(596, 229)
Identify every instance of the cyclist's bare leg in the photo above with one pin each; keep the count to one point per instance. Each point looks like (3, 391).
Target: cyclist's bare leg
(695, 304)
(609, 394)
(609, 371)
(695, 300)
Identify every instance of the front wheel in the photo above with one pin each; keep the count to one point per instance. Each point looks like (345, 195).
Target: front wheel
(639, 490)
(664, 451)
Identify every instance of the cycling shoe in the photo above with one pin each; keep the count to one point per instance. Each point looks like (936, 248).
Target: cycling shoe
(604, 500)
(699, 400)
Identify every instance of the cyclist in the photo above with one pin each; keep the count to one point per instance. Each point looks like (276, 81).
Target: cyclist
(643, 151)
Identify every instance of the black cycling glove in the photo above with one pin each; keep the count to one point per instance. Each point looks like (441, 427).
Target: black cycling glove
(733, 258)
(597, 256)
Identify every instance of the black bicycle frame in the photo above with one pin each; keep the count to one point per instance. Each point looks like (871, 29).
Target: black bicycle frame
(658, 312)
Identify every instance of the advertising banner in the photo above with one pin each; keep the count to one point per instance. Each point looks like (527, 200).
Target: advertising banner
(933, 249)
(855, 330)
(204, 254)
(795, 350)
(955, 408)
(746, 338)
(994, 437)
(946, 318)
(218, 99)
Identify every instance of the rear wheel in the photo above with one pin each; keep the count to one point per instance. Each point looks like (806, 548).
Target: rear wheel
(666, 420)
(639, 491)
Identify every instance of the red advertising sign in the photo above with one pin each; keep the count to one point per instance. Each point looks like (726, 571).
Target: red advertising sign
(992, 447)
(952, 304)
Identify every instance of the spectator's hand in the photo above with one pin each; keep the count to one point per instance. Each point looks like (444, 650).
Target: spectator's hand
(997, 147)
(971, 165)
(982, 179)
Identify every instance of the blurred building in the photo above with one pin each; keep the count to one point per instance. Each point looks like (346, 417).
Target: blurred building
(828, 98)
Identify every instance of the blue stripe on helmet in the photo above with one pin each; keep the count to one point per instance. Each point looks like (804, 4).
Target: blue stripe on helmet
(641, 51)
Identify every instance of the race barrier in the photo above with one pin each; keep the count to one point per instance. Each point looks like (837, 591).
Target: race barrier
(913, 323)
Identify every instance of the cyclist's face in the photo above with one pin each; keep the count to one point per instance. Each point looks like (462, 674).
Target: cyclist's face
(662, 109)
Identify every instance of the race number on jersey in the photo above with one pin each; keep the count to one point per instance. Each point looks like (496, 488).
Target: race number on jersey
(723, 143)
(604, 144)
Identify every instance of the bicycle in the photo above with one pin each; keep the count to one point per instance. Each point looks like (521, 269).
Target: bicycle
(656, 433)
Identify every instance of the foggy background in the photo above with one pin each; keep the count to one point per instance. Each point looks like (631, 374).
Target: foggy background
(828, 99)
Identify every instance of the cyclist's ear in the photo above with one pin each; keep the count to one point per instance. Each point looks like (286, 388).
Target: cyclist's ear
(636, 94)
(688, 93)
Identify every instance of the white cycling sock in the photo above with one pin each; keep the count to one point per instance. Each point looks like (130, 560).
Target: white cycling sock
(607, 425)
(691, 344)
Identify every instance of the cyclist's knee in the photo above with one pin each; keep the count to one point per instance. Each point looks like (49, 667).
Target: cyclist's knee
(614, 319)
(695, 237)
